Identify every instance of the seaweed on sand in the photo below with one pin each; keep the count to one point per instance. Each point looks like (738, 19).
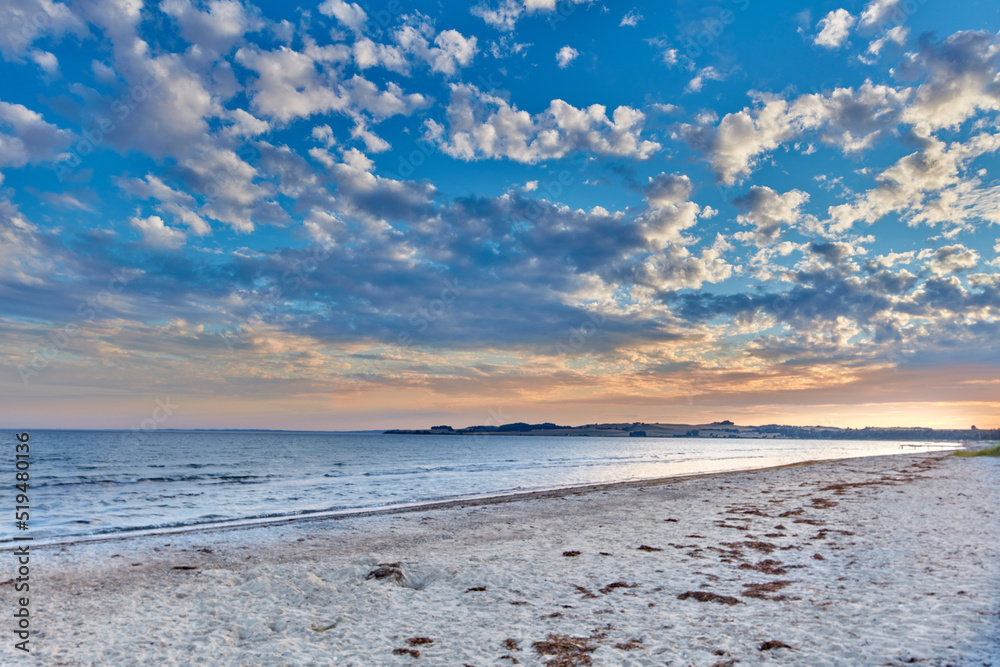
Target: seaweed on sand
(705, 596)
(566, 651)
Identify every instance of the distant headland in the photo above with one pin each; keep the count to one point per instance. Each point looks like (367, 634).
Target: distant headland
(719, 429)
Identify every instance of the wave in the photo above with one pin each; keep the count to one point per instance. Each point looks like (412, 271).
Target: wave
(218, 478)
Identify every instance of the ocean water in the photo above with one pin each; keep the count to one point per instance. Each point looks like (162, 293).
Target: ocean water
(87, 484)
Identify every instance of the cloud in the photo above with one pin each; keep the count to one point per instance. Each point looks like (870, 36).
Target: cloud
(632, 18)
(851, 119)
(155, 232)
(217, 29)
(565, 56)
(289, 84)
(704, 74)
(181, 205)
(502, 17)
(878, 12)
(505, 14)
(483, 125)
(350, 14)
(951, 259)
(767, 212)
(895, 35)
(451, 49)
(960, 79)
(47, 61)
(835, 28)
(26, 137)
(904, 185)
(26, 21)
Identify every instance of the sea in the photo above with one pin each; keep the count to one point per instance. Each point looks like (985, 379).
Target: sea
(86, 485)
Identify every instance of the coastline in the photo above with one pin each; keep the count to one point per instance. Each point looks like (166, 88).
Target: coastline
(457, 500)
(909, 568)
(457, 503)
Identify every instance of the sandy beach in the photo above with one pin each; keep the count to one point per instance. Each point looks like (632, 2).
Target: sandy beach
(875, 561)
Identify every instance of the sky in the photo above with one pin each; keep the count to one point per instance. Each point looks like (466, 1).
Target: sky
(401, 214)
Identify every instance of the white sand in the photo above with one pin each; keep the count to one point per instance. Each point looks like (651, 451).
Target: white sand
(910, 571)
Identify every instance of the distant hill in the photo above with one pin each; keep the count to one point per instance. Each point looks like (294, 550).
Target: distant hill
(720, 429)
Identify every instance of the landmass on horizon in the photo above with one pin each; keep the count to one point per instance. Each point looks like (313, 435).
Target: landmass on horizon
(719, 429)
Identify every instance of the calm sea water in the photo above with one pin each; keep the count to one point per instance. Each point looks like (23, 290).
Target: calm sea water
(91, 483)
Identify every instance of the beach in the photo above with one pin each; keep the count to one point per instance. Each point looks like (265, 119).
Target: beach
(884, 560)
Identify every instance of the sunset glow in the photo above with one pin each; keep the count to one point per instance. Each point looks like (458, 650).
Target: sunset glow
(341, 217)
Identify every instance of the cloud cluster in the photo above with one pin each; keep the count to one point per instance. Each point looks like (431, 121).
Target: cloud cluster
(484, 125)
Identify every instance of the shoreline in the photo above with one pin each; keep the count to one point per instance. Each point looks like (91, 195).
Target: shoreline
(451, 503)
(870, 560)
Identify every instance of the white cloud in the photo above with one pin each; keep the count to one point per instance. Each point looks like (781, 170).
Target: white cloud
(218, 29)
(156, 233)
(451, 49)
(288, 84)
(631, 19)
(678, 268)
(102, 71)
(896, 35)
(960, 79)
(47, 61)
(25, 21)
(951, 259)
(176, 203)
(835, 28)
(878, 13)
(26, 137)
(704, 74)
(245, 125)
(370, 54)
(850, 119)
(903, 187)
(768, 212)
(566, 55)
(483, 125)
(324, 135)
(505, 14)
(502, 17)
(350, 14)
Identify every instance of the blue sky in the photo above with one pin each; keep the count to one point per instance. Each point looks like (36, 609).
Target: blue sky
(350, 215)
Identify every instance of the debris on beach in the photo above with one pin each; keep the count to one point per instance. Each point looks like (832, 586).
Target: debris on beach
(705, 596)
(769, 566)
(587, 595)
(773, 644)
(511, 644)
(618, 584)
(185, 567)
(571, 554)
(630, 645)
(475, 589)
(419, 641)
(392, 571)
(763, 547)
(327, 627)
(760, 591)
(644, 547)
(406, 651)
(566, 651)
